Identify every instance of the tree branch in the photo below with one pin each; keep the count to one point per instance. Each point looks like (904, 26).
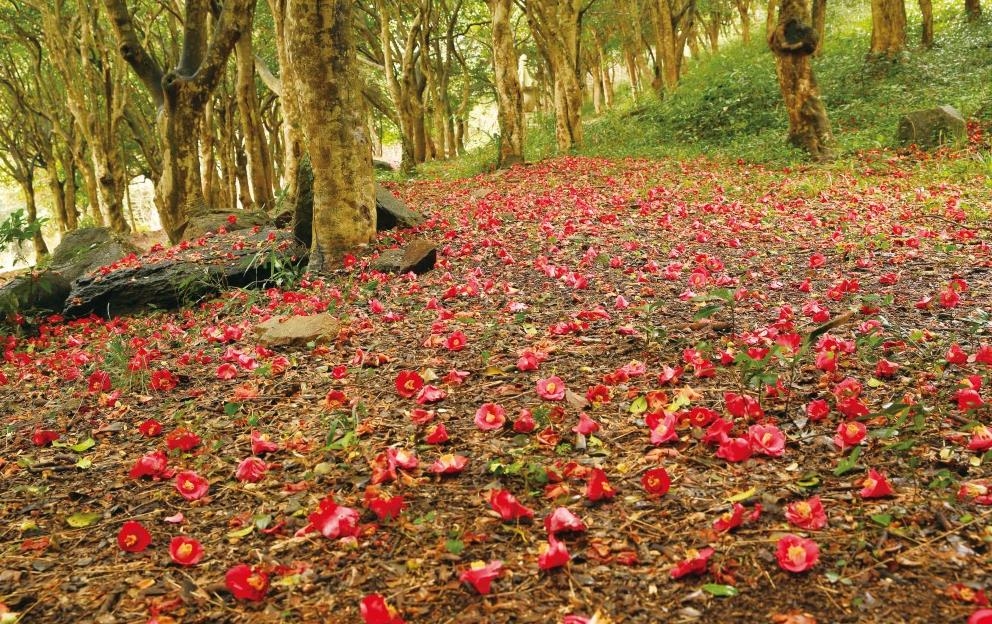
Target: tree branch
(147, 68)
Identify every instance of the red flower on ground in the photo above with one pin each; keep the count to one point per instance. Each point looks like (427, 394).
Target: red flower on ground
(553, 554)
(817, 410)
(551, 388)
(729, 519)
(875, 485)
(99, 381)
(480, 575)
(186, 551)
(408, 383)
(154, 465)
(508, 507)
(656, 482)
(374, 610)
(734, 449)
(982, 616)
(227, 371)
(247, 582)
(695, 562)
(437, 435)
(808, 514)
(449, 464)
(191, 485)
(260, 445)
(335, 399)
(796, 554)
(183, 440)
(586, 426)
(850, 433)
(767, 440)
(561, 520)
(455, 342)
(662, 426)
(597, 487)
(524, 422)
(430, 394)
(251, 470)
(420, 416)
(133, 537)
(978, 492)
(333, 520)
(163, 380)
(490, 417)
(598, 395)
(150, 428)
(981, 439)
(384, 508)
(43, 437)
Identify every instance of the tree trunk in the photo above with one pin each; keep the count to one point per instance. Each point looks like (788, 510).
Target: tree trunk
(27, 186)
(926, 13)
(322, 52)
(666, 42)
(888, 28)
(508, 95)
(71, 211)
(90, 185)
(256, 149)
(57, 187)
(292, 135)
(744, 9)
(793, 41)
(555, 26)
(973, 9)
(820, 24)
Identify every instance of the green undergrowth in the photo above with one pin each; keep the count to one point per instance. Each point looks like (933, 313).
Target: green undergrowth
(728, 106)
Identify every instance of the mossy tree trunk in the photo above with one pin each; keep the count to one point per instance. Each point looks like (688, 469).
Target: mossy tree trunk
(321, 51)
(508, 94)
(793, 41)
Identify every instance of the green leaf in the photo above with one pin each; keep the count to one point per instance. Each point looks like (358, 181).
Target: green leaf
(809, 481)
(848, 463)
(83, 446)
(239, 533)
(639, 406)
(742, 496)
(707, 311)
(230, 409)
(454, 546)
(84, 463)
(882, 519)
(82, 519)
(720, 590)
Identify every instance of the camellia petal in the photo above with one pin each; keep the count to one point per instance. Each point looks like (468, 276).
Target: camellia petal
(185, 551)
(553, 554)
(796, 554)
(508, 507)
(561, 519)
(247, 582)
(480, 575)
(374, 610)
(191, 485)
(133, 537)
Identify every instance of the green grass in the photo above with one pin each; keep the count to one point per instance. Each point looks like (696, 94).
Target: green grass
(728, 105)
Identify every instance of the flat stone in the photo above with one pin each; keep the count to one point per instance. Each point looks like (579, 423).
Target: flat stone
(297, 331)
(932, 127)
(419, 256)
(200, 224)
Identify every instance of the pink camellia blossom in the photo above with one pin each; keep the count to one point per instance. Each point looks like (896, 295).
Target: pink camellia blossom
(448, 464)
(227, 371)
(260, 445)
(480, 575)
(734, 449)
(508, 507)
(796, 554)
(430, 394)
(806, 514)
(551, 388)
(766, 440)
(524, 422)
(695, 562)
(334, 521)
(553, 554)
(586, 426)
(875, 485)
(661, 424)
(191, 486)
(154, 465)
(490, 417)
(982, 616)
(455, 342)
(850, 433)
(251, 470)
(561, 519)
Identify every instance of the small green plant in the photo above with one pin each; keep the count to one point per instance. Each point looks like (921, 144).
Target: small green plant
(17, 230)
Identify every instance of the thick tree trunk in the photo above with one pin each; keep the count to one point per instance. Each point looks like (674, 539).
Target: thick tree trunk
(555, 26)
(820, 24)
(793, 41)
(667, 44)
(888, 28)
(322, 51)
(256, 149)
(110, 178)
(180, 189)
(509, 98)
(926, 20)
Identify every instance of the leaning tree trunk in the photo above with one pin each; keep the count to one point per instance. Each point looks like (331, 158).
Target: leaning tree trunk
(793, 41)
(322, 52)
(508, 95)
(888, 28)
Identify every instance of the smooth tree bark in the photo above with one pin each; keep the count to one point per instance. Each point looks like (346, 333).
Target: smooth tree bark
(793, 41)
(181, 96)
(669, 56)
(509, 97)
(321, 51)
(888, 28)
(555, 25)
(255, 146)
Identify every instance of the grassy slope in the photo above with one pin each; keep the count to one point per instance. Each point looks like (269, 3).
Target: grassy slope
(728, 105)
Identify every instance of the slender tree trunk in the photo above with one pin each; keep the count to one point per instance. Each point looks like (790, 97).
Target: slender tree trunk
(27, 186)
(666, 42)
(256, 149)
(90, 185)
(926, 13)
(744, 9)
(888, 28)
(820, 24)
(508, 95)
(57, 188)
(71, 211)
(322, 51)
(973, 9)
(292, 135)
(793, 41)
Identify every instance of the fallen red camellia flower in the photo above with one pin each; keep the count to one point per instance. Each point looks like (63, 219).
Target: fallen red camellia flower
(185, 551)
(553, 554)
(767, 440)
(551, 388)
(490, 417)
(796, 554)
(437, 435)
(155, 465)
(191, 485)
(251, 470)
(449, 464)
(333, 520)
(695, 562)
(150, 428)
(133, 537)
(807, 514)
(524, 422)
(408, 383)
(247, 582)
(875, 485)
(586, 426)
(183, 440)
(597, 487)
(480, 575)
(260, 445)
(849, 433)
(562, 519)
(508, 507)
(982, 616)
(43, 437)
(374, 610)
(656, 482)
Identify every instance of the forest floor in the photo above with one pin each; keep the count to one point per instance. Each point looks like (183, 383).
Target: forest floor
(766, 337)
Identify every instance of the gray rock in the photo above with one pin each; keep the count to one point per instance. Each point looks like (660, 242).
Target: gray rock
(419, 256)
(232, 260)
(932, 127)
(297, 331)
(391, 212)
(200, 224)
